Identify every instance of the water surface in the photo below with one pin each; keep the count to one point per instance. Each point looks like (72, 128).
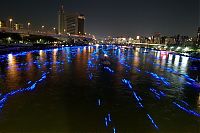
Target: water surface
(73, 89)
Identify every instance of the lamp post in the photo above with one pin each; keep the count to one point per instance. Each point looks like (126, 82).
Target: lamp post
(10, 20)
(54, 29)
(29, 24)
(42, 28)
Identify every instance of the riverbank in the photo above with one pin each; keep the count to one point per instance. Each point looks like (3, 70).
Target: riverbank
(4, 49)
(194, 54)
(16, 48)
(7, 49)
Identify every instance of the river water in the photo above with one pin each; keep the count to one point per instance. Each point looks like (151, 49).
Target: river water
(105, 89)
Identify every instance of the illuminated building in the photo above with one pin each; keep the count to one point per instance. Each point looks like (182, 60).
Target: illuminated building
(2, 24)
(61, 20)
(18, 26)
(72, 23)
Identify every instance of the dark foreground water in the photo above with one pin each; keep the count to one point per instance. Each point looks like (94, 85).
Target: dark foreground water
(75, 90)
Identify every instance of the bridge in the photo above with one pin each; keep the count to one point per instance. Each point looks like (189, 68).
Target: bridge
(62, 37)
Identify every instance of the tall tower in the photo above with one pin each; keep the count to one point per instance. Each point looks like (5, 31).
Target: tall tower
(61, 19)
(198, 36)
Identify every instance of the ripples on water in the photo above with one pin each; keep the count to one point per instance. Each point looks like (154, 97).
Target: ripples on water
(74, 89)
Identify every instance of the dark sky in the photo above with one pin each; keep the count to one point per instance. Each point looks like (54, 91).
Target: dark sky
(112, 17)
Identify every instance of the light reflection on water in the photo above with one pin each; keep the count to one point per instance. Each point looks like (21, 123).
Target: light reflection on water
(12, 79)
(68, 91)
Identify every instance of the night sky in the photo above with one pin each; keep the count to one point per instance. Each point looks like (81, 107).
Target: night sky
(112, 17)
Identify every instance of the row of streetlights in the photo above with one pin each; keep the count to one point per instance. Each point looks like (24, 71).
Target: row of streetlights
(11, 20)
(54, 29)
(28, 25)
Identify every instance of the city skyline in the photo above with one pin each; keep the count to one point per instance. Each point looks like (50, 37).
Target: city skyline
(129, 18)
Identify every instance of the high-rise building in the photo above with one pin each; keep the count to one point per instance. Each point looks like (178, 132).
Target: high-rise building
(72, 23)
(61, 20)
(198, 36)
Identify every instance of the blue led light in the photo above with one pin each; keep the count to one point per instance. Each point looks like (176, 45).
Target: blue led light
(90, 76)
(140, 104)
(163, 94)
(187, 110)
(159, 78)
(138, 99)
(184, 103)
(110, 70)
(106, 121)
(109, 118)
(5, 97)
(127, 83)
(152, 121)
(135, 95)
(114, 130)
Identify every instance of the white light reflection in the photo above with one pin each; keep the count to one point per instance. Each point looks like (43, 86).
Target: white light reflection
(176, 61)
(170, 57)
(184, 64)
(41, 52)
(10, 57)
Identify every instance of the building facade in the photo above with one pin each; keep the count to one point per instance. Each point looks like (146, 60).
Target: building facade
(2, 24)
(18, 26)
(61, 20)
(70, 23)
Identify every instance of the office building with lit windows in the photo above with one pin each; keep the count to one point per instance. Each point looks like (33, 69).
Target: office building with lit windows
(2, 24)
(70, 23)
(18, 26)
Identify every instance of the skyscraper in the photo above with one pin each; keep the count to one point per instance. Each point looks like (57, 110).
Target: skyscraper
(75, 23)
(72, 23)
(61, 19)
(198, 36)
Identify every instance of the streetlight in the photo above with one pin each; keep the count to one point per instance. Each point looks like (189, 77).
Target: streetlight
(9, 39)
(29, 24)
(54, 29)
(10, 20)
(42, 28)
(29, 27)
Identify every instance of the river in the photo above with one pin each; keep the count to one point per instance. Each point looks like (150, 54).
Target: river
(99, 89)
